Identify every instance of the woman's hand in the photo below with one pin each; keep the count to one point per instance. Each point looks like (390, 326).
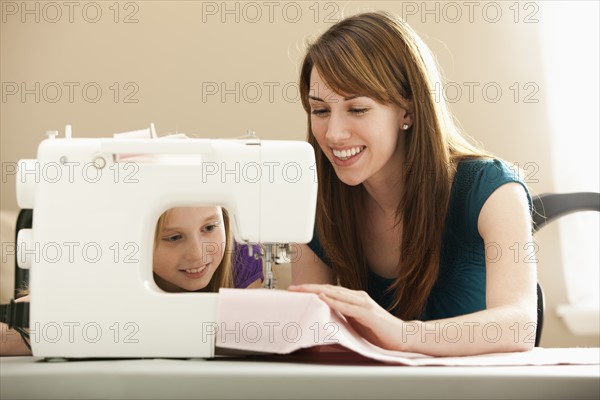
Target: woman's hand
(367, 317)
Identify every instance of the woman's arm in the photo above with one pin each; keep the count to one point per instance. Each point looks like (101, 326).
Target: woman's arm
(308, 268)
(11, 343)
(508, 322)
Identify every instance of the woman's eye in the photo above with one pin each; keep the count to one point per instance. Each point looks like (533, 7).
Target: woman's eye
(319, 112)
(359, 111)
(172, 238)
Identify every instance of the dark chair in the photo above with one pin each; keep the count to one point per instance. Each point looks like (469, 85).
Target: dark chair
(24, 221)
(547, 208)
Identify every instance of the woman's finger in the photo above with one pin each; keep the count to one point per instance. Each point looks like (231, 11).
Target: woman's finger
(344, 308)
(336, 292)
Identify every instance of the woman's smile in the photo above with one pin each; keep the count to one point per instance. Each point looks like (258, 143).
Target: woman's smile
(348, 156)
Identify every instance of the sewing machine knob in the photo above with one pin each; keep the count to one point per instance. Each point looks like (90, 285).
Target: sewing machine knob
(25, 248)
(52, 134)
(99, 162)
(27, 179)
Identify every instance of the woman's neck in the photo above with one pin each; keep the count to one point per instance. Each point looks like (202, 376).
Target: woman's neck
(384, 189)
(383, 197)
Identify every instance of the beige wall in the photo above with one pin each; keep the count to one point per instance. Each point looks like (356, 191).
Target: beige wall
(171, 54)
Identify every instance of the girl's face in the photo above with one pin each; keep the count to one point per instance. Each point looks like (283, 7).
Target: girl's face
(190, 248)
(358, 135)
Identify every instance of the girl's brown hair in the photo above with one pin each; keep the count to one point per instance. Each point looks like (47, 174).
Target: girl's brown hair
(380, 56)
(223, 277)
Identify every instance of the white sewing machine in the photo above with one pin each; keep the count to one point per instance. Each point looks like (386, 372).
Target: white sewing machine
(95, 206)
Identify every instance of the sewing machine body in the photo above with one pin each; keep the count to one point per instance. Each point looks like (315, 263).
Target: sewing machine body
(95, 207)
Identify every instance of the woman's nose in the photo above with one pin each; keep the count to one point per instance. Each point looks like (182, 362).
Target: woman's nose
(338, 130)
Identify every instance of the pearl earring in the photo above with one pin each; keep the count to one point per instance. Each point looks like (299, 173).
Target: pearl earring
(405, 126)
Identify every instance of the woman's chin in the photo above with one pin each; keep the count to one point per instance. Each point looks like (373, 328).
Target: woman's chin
(350, 180)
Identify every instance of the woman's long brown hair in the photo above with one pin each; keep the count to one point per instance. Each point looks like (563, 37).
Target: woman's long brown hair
(380, 56)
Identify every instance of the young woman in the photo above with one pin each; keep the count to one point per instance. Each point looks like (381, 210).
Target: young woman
(414, 223)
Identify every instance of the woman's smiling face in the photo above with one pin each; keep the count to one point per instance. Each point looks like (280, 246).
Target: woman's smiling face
(359, 136)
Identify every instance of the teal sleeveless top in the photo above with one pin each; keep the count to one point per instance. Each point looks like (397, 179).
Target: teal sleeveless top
(460, 286)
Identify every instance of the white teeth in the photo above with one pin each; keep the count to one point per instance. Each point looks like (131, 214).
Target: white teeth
(344, 154)
(195, 270)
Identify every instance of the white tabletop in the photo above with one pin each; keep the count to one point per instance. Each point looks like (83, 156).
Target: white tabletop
(31, 377)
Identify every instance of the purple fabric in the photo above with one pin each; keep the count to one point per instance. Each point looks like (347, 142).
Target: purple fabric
(246, 269)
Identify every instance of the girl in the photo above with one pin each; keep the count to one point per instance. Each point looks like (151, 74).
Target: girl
(193, 252)
(407, 207)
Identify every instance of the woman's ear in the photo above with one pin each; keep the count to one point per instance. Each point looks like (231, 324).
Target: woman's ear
(406, 115)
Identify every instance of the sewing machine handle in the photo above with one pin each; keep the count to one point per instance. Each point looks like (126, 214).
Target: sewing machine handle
(148, 146)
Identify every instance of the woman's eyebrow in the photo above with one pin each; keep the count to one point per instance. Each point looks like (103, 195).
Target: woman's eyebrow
(345, 98)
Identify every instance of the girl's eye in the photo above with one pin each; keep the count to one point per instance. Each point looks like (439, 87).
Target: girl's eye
(172, 238)
(210, 228)
(319, 112)
(359, 111)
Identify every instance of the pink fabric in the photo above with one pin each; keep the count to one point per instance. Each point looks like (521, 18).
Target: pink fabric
(281, 322)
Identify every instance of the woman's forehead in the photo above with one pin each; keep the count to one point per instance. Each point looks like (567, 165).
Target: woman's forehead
(320, 89)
